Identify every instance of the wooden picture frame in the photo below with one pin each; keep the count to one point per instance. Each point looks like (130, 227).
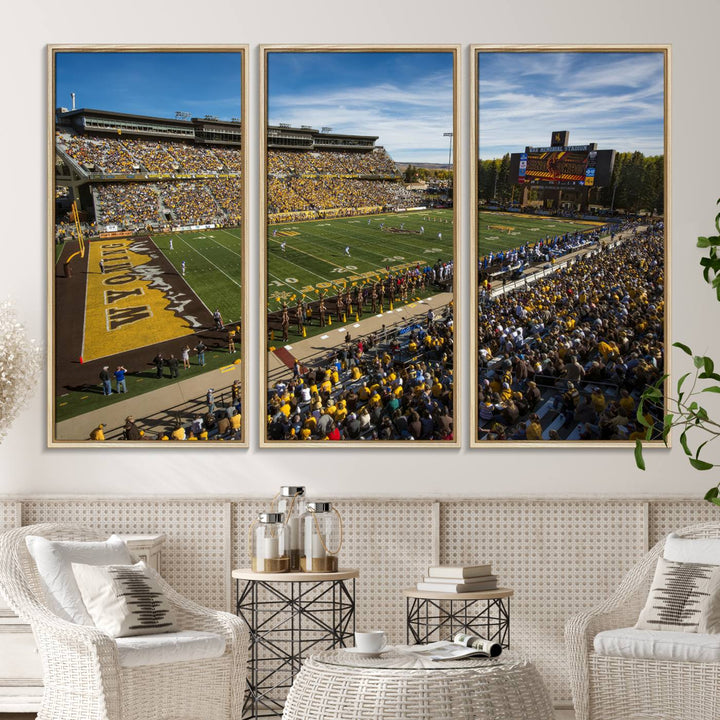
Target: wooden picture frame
(567, 87)
(339, 188)
(147, 235)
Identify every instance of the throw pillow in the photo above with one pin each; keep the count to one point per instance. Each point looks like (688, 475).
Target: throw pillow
(684, 597)
(124, 600)
(53, 559)
(692, 550)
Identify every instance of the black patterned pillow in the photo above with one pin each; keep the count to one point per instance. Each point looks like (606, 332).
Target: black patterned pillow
(124, 600)
(684, 597)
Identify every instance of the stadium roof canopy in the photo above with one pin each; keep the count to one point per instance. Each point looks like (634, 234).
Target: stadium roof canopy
(105, 121)
(307, 138)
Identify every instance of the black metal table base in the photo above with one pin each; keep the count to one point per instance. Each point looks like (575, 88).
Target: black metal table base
(288, 620)
(431, 620)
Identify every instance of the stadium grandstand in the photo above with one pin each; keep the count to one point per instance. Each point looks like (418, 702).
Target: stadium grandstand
(565, 351)
(132, 172)
(316, 174)
(395, 384)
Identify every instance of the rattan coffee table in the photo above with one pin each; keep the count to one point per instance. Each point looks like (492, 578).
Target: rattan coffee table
(340, 685)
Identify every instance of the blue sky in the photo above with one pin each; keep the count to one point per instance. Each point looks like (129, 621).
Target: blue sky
(614, 99)
(152, 83)
(405, 98)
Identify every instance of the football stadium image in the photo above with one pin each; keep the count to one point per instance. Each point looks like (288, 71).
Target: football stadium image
(360, 262)
(571, 250)
(148, 275)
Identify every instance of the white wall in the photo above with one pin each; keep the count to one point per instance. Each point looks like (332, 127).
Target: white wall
(26, 466)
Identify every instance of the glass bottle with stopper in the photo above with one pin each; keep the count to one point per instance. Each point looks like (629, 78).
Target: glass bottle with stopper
(291, 502)
(269, 547)
(322, 537)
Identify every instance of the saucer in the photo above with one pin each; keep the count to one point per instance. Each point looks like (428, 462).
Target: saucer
(360, 653)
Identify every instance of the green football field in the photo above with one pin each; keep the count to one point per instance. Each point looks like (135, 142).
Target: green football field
(501, 231)
(213, 266)
(309, 258)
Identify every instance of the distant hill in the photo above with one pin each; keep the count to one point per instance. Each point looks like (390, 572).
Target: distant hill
(428, 166)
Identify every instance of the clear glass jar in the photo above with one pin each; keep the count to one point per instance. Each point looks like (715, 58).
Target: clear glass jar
(291, 503)
(269, 547)
(322, 538)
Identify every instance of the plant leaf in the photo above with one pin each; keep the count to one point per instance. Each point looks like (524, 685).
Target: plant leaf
(640, 416)
(639, 461)
(712, 493)
(699, 361)
(667, 426)
(709, 365)
(683, 347)
(701, 464)
(712, 388)
(700, 447)
(684, 443)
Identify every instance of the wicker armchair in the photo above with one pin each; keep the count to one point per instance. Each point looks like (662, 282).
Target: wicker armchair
(82, 674)
(614, 688)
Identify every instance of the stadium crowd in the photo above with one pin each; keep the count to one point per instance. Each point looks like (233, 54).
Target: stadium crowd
(135, 204)
(395, 387)
(583, 342)
(127, 204)
(544, 251)
(298, 194)
(136, 155)
(199, 185)
(375, 163)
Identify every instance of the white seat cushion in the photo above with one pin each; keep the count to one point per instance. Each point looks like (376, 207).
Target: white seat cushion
(169, 648)
(692, 550)
(658, 645)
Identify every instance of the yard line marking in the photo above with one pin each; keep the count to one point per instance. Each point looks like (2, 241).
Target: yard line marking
(234, 252)
(232, 280)
(303, 268)
(294, 288)
(304, 252)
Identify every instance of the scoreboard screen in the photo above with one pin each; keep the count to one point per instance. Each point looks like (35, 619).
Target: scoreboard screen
(562, 167)
(558, 166)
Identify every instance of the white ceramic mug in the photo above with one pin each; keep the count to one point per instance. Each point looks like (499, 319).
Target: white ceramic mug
(373, 641)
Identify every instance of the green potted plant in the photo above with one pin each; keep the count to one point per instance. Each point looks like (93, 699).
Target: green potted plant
(685, 411)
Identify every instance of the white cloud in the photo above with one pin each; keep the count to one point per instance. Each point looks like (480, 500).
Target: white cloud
(409, 121)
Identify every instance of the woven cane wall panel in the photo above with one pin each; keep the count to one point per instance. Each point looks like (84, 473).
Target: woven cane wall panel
(559, 557)
(194, 552)
(7, 515)
(666, 516)
(389, 542)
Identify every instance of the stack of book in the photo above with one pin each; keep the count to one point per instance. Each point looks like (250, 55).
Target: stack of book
(458, 579)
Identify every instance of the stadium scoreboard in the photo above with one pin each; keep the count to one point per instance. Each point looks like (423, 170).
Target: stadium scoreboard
(562, 165)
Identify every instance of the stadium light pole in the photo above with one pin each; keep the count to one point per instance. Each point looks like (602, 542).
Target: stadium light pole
(449, 135)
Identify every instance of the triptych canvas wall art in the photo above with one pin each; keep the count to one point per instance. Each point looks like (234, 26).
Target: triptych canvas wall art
(361, 258)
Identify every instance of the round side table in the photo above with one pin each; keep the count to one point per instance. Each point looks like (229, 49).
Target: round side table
(484, 613)
(290, 615)
(339, 685)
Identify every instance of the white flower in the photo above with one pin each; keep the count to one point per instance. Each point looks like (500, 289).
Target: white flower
(20, 366)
